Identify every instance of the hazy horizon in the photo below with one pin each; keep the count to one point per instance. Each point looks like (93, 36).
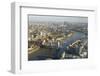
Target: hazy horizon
(42, 18)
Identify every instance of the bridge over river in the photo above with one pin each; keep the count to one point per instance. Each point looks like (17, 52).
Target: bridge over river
(56, 53)
(75, 36)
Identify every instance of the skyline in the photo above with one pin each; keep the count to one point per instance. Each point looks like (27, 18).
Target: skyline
(42, 18)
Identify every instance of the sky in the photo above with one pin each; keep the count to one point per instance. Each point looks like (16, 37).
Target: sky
(44, 18)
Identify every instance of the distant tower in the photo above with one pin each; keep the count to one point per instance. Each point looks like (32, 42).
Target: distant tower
(58, 44)
(44, 41)
(64, 23)
(53, 39)
(41, 33)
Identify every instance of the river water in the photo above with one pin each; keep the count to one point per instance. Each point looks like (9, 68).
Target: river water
(73, 38)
